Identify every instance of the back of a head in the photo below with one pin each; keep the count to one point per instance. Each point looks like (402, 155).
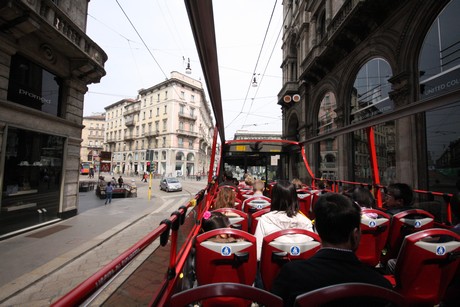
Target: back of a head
(228, 175)
(249, 180)
(363, 197)
(297, 183)
(284, 198)
(225, 198)
(258, 185)
(335, 217)
(402, 191)
(214, 220)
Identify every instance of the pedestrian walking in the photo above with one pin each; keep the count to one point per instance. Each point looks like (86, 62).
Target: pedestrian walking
(120, 182)
(108, 193)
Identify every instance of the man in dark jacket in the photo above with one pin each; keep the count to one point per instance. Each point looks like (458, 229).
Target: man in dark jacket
(338, 224)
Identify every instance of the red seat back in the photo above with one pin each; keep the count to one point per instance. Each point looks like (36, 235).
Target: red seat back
(227, 290)
(426, 264)
(225, 262)
(403, 224)
(275, 253)
(374, 235)
(345, 293)
(256, 203)
(238, 219)
(238, 204)
(254, 219)
(306, 201)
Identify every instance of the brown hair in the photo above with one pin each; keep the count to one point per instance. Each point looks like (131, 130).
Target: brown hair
(225, 198)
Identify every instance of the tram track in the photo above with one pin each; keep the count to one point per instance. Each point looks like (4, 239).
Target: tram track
(50, 281)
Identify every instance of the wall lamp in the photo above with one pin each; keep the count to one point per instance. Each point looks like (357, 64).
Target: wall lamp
(289, 98)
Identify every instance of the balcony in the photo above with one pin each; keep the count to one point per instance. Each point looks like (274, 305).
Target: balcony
(130, 136)
(131, 110)
(130, 121)
(187, 116)
(153, 133)
(52, 26)
(186, 133)
(110, 140)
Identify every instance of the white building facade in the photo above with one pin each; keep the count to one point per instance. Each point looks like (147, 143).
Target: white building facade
(172, 120)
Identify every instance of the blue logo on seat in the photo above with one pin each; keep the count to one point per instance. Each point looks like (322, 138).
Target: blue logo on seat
(372, 224)
(226, 251)
(295, 250)
(440, 250)
(417, 224)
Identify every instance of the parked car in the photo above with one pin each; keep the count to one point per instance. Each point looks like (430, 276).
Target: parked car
(170, 184)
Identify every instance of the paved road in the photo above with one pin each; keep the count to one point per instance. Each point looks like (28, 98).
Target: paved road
(38, 267)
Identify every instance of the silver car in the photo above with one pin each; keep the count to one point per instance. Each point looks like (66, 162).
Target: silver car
(170, 184)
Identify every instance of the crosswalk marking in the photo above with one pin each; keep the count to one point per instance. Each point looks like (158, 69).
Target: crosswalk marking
(178, 202)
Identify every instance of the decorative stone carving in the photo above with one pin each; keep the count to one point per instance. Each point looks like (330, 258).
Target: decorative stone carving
(48, 53)
(400, 89)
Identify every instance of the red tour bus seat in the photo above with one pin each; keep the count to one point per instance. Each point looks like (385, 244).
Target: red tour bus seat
(192, 296)
(238, 219)
(225, 262)
(374, 235)
(276, 253)
(254, 219)
(306, 201)
(256, 203)
(403, 224)
(350, 294)
(426, 264)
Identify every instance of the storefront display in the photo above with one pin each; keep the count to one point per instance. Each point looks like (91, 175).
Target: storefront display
(32, 179)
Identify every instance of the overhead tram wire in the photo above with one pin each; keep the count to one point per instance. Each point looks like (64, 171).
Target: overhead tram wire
(263, 74)
(255, 68)
(145, 45)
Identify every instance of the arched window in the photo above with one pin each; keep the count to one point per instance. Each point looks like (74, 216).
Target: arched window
(326, 114)
(190, 157)
(370, 90)
(180, 156)
(328, 148)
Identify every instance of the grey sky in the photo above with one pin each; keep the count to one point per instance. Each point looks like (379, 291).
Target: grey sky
(241, 26)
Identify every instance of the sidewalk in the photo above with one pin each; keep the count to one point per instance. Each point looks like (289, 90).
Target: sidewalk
(39, 267)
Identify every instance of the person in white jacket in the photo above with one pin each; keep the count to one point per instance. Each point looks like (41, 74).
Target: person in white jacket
(284, 214)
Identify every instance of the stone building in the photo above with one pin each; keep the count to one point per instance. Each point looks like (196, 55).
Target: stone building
(93, 136)
(172, 120)
(46, 63)
(385, 73)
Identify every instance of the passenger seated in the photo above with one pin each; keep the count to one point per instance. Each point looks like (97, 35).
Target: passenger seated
(228, 179)
(225, 199)
(284, 214)
(297, 183)
(216, 220)
(363, 197)
(337, 220)
(258, 188)
(398, 197)
(247, 183)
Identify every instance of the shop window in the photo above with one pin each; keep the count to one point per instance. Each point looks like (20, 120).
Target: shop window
(32, 86)
(32, 178)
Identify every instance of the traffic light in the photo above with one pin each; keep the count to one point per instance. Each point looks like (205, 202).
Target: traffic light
(148, 166)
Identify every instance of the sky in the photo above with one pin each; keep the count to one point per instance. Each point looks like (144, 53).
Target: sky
(146, 40)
